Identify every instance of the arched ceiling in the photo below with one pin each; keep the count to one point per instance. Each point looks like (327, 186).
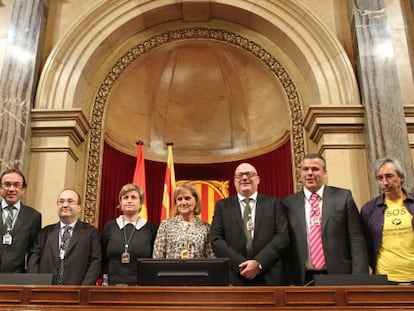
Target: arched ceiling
(87, 68)
(213, 100)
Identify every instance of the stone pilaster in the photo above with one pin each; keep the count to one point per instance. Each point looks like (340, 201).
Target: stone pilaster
(385, 129)
(18, 80)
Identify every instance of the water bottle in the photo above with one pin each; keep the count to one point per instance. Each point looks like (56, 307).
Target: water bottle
(105, 281)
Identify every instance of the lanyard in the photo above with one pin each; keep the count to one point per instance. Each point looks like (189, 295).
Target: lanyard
(130, 235)
(7, 213)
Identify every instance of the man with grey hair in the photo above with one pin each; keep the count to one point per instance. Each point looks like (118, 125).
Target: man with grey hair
(388, 223)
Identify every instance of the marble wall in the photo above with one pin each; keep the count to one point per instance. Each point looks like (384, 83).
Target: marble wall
(5, 17)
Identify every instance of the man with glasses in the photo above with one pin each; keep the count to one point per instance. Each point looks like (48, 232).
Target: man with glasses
(252, 231)
(388, 223)
(20, 223)
(70, 249)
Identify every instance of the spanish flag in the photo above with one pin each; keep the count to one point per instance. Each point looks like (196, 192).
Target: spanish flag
(139, 177)
(169, 186)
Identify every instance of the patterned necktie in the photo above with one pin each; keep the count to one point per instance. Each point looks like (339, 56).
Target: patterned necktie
(63, 248)
(247, 220)
(9, 219)
(315, 234)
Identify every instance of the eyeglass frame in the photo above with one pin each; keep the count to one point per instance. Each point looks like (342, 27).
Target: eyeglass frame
(249, 175)
(61, 202)
(15, 184)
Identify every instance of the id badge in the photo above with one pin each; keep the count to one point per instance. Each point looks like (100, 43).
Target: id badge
(250, 225)
(7, 239)
(125, 257)
(315, 221)
(62, 254)
(185, 254)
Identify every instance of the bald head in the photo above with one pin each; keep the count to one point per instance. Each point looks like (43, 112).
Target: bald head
(246, 179)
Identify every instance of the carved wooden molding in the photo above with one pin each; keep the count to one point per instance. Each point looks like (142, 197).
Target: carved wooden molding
(88, 298)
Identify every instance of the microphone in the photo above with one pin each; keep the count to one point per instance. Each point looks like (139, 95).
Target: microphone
(309, 283)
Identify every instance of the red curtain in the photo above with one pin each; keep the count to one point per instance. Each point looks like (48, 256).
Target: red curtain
(274, 168)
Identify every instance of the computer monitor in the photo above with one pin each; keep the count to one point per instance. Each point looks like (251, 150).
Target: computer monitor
(26, 278)
(350, 279)
(183, 272)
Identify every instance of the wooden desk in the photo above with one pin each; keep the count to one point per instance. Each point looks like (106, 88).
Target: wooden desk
(206, 298)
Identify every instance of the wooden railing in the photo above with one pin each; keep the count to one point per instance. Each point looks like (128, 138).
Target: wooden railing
(206, 298)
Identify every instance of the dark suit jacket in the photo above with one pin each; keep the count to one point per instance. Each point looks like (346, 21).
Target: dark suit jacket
(26, 227)
(270, 238)
(342, 236)
(82, 264)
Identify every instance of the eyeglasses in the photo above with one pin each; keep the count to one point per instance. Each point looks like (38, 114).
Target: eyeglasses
(69, 201)
(8, 185)
(247, 174)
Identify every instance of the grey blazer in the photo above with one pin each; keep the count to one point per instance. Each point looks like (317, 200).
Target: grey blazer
(342, 234)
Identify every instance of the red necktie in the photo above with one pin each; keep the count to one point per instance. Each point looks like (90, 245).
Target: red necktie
(315, 235)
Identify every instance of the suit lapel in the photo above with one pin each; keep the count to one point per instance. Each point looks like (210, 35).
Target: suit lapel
(2, 226)
(258, 216)
(236, 211)
(54, 238)
(327, 205)
(75, 235)
(299, 214)
(20, 218)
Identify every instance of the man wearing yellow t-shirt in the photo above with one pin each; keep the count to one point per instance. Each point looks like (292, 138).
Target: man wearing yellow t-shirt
(388, 223)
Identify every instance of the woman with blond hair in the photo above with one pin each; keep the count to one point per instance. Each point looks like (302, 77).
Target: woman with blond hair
(184, 235)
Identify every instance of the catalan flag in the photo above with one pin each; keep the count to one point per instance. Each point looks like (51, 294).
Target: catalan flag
(139, 177)
(169, 186)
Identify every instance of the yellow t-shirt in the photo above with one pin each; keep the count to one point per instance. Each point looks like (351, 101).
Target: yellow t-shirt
(396, 253)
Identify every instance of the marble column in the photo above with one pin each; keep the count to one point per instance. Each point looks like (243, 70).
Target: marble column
(18, 80)
(385, 127)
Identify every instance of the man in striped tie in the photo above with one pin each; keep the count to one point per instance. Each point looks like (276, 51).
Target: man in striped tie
(325, 227)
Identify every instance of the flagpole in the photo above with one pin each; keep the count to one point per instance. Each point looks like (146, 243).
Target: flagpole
(169, 186)
(139, 177)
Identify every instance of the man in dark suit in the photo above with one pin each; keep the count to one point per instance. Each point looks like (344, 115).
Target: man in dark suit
(20, 223)
(252, 231)
(342, 248)
(70, 249)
